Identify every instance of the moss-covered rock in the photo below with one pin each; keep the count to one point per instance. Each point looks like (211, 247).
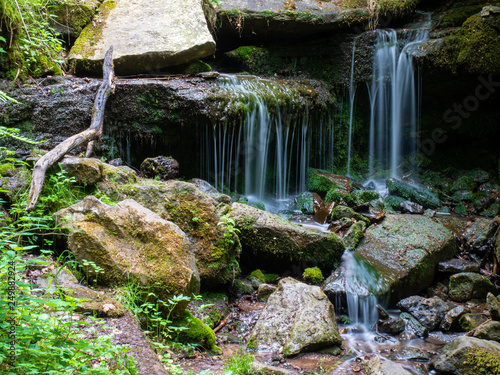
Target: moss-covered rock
(273, 243)
(468, 285)
(469, 355)
(474, 48)
(404, 250)
(73, 15)
(305, 203)
(339, 212)
(211, 308)
(129, 242)
(470, 321)
(322, 181)
(364, 196)
(205, 221)
(417, 194)
(196, 332)
(354, 235)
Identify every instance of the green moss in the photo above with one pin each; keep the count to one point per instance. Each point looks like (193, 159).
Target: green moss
(317, 182)
(271, 277)
(253, 58)
(196, 332)
(482, 361)
(354, 235)
(457, 16)
(339, 196)
(344, 211)
(7, 169)
(313, 275)
(259, 275)
(364, 196)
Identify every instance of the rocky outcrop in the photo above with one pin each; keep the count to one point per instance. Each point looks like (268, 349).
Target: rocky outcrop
(290, 320)
(276, 20)
(131, 243)
(269, 241)
(400, 253)
(73, 16)
(145, 35)
(467, 355)
(204, 220)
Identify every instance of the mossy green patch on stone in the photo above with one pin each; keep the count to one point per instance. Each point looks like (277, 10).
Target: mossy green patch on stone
(313, 275)
(197, 333)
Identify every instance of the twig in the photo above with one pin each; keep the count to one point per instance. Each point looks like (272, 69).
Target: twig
(222, 324)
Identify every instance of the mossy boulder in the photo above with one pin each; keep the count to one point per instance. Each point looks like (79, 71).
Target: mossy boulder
(286, 321)
(205, 221)
(339, 212)
(360, 197)
(305, 203)
(469, 355)
(196, 332)
(354, 235)
(488, 331)
(131, 243)
(404, 250)
(273, 243)
(73, 15)
(414, 193)
(474, 48)
(12, 182)
(468, 285)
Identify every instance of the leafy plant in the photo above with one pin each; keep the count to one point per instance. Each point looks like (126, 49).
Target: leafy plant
(231, 232)
(239, 363)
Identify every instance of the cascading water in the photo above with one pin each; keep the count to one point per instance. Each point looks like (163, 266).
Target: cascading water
(394, 100)
(265, 154)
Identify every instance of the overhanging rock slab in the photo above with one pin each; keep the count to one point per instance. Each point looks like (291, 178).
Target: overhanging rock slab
(146, 35)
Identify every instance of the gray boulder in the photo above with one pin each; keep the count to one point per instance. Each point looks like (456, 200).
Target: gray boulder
(428, 311)
(488, 331)
(404, 251)
(290, 320)
(145, 34)
(89, 171)
(131, 243)
(270, 240)
(467, 285)
(466, 355)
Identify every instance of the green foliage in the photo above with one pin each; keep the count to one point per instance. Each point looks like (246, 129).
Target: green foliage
(338, 196)
(36, 48)
(313, 275)
(230, 230)
(48, 340)
(239, 364)
(317, 182)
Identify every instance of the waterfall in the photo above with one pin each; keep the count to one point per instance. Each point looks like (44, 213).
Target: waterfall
(265, 154)
(362, 284)
(393, 96)
(352, 96)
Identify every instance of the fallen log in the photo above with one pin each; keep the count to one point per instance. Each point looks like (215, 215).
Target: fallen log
(87, 136)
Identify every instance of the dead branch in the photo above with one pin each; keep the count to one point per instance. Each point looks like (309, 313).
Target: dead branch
(86, 137)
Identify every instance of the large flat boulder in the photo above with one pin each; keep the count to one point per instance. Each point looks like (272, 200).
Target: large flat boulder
(290, 321)
(274, 244)
(145, 34)
(399, 255)
(131, 243)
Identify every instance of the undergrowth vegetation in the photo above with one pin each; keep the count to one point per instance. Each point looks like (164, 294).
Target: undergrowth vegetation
(29, 45)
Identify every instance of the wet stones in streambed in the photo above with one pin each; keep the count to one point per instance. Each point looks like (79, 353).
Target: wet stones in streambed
(297, 318)
(413, 193)
(493, 306)
(456, 265)
(414, 327)
(428, 311)
(488, 331)
(162, 167)
(469, 355)
(378, 366)
(468, 285)
(452, 318)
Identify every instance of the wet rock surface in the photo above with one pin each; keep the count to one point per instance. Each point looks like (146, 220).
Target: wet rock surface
(428, 311)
